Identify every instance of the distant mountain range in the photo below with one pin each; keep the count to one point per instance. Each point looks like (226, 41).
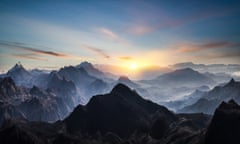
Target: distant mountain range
(34, 104)
(230, 69)
(73, 85)
(183, 77)
(175, 85)
(209, 101)
(185, 101)
(122, 116)
(66, 81)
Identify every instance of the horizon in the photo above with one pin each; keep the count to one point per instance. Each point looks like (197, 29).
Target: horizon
(134, 35)
(140, 75)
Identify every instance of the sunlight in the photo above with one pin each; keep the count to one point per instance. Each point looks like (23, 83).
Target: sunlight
(133, 66)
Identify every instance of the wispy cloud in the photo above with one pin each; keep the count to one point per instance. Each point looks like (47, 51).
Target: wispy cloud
(188, 48)
(113, 36)
(33, 50)
(97, 51)
(110, 34)
(30, 49)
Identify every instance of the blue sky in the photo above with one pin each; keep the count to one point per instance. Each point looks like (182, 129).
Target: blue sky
(51, 34)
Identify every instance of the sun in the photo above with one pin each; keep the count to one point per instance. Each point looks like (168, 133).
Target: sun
(133, 66)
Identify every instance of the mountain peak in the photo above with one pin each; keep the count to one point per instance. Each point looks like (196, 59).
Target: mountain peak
(185, 70)
(85, 64)
(184, 73)
(122, 112)
(231, 83)
(120, 88)
(123, 78)
(225, 119)
(231, 104)
(16, 67)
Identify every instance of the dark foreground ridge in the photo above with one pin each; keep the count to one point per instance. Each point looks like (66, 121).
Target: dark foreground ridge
(122, 111)
(225, 125)
(123, 117)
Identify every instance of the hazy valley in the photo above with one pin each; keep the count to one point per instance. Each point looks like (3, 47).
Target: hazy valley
(79, 104)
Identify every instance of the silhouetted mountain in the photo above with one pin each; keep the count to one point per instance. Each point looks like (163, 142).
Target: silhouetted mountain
(133, 85)
(225, 125)
(122, 111)
(16, 134)
(209, 101)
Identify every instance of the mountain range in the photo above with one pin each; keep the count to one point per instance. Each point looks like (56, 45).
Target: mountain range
(176, 85)
(123, 116)
(223, 70)
(34, 104)
(210, 100)
(77, 84)
(183, 77)
(37, 95)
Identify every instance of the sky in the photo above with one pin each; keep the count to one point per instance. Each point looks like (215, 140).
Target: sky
(134, 34)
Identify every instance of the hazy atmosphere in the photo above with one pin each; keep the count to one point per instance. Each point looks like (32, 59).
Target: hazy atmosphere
(119, 72)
